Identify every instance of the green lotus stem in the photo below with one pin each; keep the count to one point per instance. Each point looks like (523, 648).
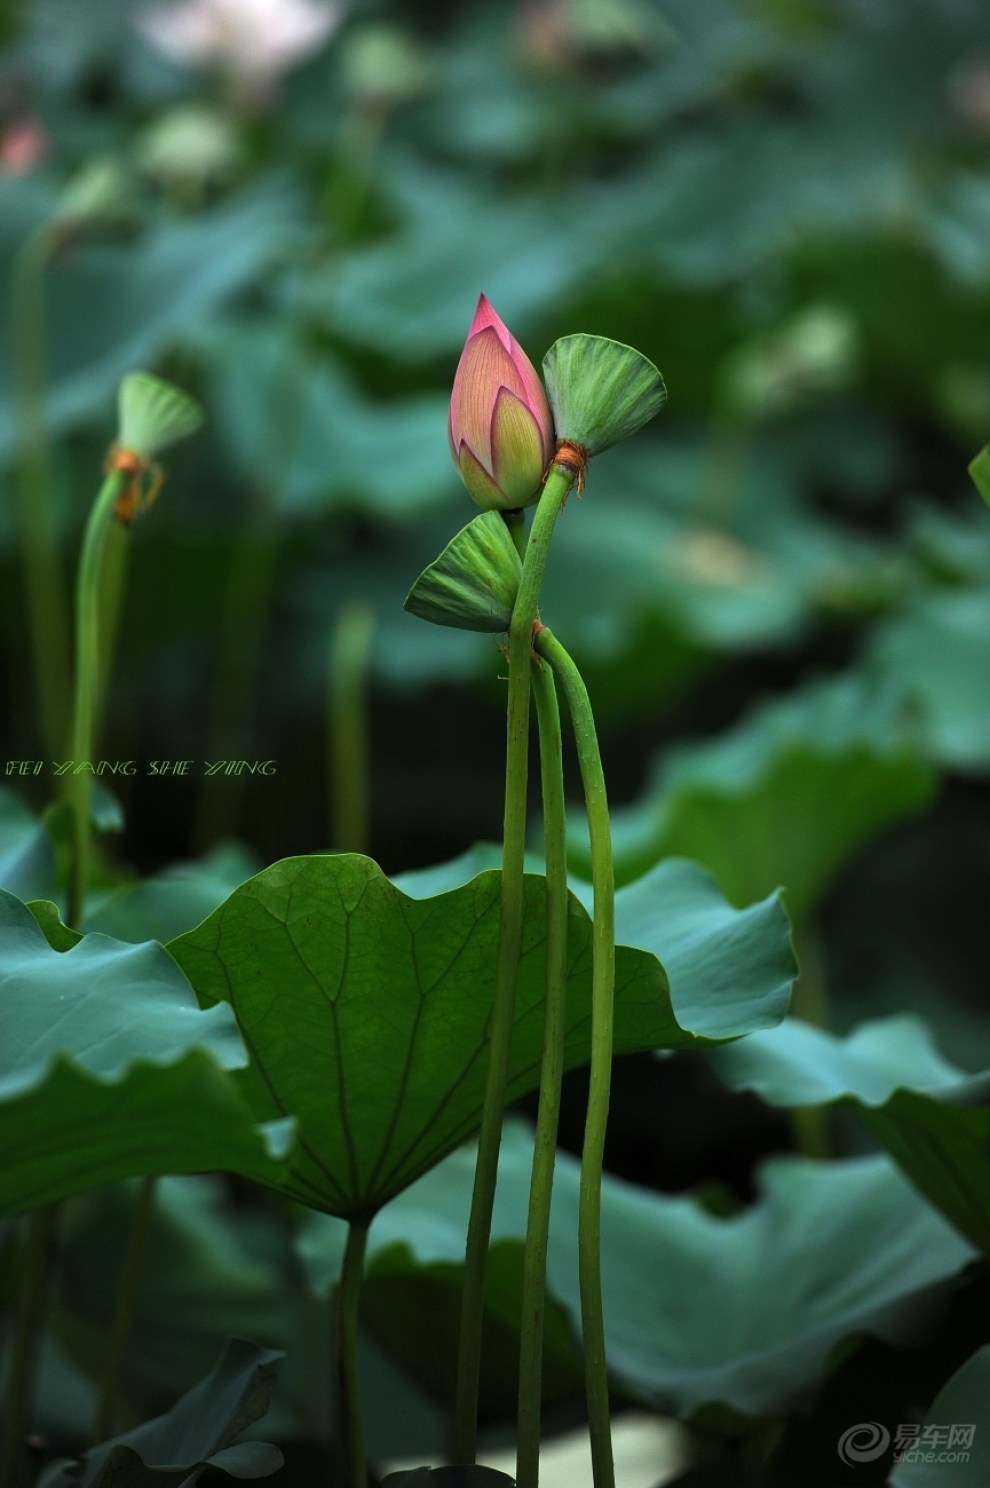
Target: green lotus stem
(602, 999)
(42, 569)
(350, 653)
(123, 1318)
(30, 1315)
(348, 1389)
(515, 519)
(87, 685)
(113, 591)
(551, 1077)
(558, 483)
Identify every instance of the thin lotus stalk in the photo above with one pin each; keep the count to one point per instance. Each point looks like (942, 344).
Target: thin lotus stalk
(558, 483)
(88, 680)
(516, 523)
(551, 1078)
(113, 594)
(123, 1319)
(348, 1388)
(47, 610)
(603, 996)
(350, 654)
(23, 1347)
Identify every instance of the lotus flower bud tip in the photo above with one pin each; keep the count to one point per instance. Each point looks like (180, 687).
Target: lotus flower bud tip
(500, 426)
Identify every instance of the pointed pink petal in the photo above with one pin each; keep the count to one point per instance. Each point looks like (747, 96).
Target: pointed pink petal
(531, 389)
(517, 449)
(484, 317)
(484, 368)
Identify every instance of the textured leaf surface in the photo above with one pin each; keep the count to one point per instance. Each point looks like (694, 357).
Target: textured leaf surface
(199, 1431)
(109, 1069)
(366, 1012)
(937, 656)
(201, 1281)
(27, 864)
(933, 1118)
(148, 292)
(700, 1309)
(174, 900)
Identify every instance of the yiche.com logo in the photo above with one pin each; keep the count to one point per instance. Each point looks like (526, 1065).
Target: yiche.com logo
(863, 1443)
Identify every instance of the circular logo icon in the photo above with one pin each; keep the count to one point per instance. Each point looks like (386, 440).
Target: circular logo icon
(864, 1443)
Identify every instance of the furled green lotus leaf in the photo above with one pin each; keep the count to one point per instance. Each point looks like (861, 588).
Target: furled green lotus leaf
(154, 414)
(472, 585)
(600, 391)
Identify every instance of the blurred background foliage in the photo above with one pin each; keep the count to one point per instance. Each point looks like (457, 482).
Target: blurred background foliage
(784, 203)
(780, 591)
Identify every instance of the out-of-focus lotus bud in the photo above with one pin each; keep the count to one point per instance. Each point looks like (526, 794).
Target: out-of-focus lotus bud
(384, 68)
(23, 145)
(813, 354)
(152, 415)
(559, 34)
(190, 149)
(500, 426)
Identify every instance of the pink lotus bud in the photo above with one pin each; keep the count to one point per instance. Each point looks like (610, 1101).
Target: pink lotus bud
(500, 426)
(22, 146)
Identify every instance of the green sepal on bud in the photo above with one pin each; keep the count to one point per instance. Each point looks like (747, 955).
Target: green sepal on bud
(599, 390)
(979, 469)
(154, 414)
(473, 583)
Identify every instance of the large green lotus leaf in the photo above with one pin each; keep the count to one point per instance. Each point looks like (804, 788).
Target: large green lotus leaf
(724, 560)
(945, 1150)
(961, 1454)
(700, 1309)
(786, 798)
(366, 1012)
(300, 424)
(742, 959)
(933, 1118)
(799, 1065)
(108, 1069)
(747, 1310)
(199, 1282)
(201, 1430)
(412, 294)
(404, 1302)
(148, 293)
(936, 654)
(27, 862)
(174, 900)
